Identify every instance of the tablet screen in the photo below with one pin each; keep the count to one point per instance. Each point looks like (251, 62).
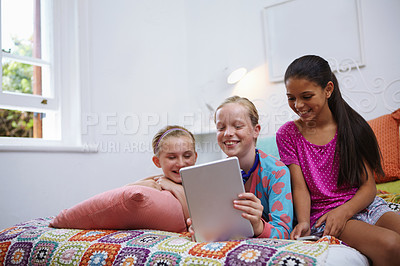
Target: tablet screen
(210, 189)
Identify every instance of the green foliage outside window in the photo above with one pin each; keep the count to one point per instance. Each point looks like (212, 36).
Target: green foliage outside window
(16, 123)
(17, 77)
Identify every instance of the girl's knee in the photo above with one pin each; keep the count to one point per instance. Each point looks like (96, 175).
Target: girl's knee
(390, 244)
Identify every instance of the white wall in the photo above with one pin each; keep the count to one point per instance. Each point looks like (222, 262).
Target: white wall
(234, 35)
(164, 60)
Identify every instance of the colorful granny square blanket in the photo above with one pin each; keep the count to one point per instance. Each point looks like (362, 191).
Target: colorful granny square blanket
(392, 199)
(34, 243)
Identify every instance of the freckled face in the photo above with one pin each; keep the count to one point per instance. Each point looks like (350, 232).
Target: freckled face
(235, 133)
(307, 99)
(175, 153)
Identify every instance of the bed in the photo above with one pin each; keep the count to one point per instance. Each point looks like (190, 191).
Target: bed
(35, 243)
(39, 242)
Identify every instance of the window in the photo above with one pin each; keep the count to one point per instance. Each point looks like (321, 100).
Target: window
(38, 43)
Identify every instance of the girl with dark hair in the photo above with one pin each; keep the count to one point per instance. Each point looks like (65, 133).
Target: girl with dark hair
(332, 155)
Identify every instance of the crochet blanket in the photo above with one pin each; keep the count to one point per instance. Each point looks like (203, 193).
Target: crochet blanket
(392, 199)
(34, 243)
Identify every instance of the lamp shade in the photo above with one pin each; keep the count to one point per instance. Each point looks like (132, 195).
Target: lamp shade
(236, 75)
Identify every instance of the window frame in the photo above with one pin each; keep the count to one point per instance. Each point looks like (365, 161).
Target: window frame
(64, 101)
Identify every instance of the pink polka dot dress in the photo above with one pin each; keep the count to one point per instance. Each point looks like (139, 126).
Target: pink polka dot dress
(320, 168)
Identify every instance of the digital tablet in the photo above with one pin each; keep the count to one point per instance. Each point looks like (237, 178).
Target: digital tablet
(210, 189)
(308, 238)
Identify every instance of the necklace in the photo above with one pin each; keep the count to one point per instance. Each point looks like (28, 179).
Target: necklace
(245, 176)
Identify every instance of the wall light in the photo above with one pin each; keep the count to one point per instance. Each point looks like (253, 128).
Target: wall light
(236, 75)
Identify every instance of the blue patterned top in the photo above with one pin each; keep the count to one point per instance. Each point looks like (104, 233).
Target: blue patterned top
(271, 184)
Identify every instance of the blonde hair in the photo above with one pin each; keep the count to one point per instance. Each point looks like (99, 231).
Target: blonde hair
(252, 110)
(170, 131)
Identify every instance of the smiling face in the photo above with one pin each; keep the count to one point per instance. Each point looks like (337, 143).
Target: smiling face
(307, 99)
(175, 153)
(235, 133)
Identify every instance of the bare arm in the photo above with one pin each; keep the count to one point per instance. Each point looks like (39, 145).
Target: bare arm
(162, 183)
(148, 182)
(364, 195)
(301, 201)
(177, 190)
(337, 218)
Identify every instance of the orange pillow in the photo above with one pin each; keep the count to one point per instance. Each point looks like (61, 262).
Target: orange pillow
(386, 129)
(128, 207)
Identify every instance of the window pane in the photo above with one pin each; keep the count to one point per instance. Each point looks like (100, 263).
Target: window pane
(20, 124)
(27, 60)
(17, 26)
(21, 78)
(20, 27)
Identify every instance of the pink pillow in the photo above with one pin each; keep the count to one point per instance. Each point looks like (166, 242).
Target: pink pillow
(128, 207)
